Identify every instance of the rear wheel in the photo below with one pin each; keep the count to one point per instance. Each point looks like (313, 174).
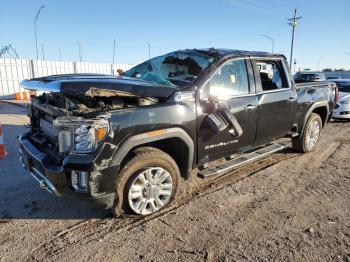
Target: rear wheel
(308, 140)
(147, 183)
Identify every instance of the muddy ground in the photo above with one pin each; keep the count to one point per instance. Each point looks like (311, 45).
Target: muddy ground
(287, 207)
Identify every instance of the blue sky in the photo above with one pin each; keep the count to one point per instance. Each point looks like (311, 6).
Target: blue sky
(322, 35)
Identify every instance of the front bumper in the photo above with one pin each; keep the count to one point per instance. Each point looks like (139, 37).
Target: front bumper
(56, 179)
(342, 111)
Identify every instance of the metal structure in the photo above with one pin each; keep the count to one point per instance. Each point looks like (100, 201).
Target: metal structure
(10, 51)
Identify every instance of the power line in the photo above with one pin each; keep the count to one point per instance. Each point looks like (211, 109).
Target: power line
(293, 24)
(267, 6)
(252, 8)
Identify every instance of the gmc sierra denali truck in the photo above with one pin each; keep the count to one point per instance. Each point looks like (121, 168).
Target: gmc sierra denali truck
(125, 141)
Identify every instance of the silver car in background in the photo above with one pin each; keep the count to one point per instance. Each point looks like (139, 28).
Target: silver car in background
(342, 109)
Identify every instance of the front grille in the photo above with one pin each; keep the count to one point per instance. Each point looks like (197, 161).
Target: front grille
(48, 129)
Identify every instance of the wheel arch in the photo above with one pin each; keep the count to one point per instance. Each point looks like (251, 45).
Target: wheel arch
(173, 141)
(321, 108)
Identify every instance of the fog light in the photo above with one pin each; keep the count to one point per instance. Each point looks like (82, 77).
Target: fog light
(79, 180)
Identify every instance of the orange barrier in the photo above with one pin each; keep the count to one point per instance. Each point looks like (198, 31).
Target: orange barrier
(24, 95)
(3, 151)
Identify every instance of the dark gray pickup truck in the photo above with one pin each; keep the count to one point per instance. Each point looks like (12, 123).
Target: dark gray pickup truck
(125, 141)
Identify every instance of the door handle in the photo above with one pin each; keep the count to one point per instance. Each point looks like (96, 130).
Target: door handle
(250, 107)
(292, 98)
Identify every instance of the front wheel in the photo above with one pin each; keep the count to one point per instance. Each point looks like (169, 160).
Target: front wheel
(147, 183)
(308, 140)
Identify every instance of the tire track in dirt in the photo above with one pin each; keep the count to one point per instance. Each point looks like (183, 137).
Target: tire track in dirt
(93, 229)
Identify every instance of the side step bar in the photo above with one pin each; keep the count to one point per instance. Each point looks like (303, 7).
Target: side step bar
(240, 161)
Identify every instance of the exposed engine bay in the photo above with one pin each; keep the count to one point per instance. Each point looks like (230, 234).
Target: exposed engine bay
(61, 124)
(57, 104)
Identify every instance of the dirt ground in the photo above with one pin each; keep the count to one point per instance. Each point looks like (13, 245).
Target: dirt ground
(287, 207)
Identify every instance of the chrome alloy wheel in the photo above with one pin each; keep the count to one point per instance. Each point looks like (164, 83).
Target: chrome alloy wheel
(313, 134)
(151, 190)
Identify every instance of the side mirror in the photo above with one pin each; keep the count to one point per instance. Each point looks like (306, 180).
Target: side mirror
(209, 105)
(120, 72)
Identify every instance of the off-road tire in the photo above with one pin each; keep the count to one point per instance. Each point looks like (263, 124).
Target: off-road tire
(299, 143)
(143, 157)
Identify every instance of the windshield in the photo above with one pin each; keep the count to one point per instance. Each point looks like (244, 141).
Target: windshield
(176, 69)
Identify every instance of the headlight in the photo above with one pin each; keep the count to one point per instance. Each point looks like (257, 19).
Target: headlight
(80, 136)
(84, 138)
(345, 102)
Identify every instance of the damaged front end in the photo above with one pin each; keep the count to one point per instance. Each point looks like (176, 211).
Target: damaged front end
(70, 145)
(67, 151)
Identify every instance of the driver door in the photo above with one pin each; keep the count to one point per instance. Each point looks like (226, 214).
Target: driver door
(233, 89)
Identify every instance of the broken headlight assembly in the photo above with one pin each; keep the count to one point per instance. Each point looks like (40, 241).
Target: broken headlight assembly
(80, 136)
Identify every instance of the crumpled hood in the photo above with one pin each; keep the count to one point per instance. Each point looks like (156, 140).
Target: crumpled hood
(98, 85)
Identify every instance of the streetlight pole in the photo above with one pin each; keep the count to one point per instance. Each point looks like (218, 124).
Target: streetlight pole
(272, 40)
(42, 51)
(318, 63)
(35, 35)
(113, 51)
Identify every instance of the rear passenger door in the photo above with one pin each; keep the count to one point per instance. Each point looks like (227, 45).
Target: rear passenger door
(277, 99)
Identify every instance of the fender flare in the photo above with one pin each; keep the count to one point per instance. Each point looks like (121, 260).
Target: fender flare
(162, 134)
(312, 108)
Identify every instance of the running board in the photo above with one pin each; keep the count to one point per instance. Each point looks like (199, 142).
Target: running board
(240, 161)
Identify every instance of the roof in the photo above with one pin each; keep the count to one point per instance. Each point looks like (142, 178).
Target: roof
(234, 52)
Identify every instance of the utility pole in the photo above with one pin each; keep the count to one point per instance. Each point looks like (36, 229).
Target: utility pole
(113, 52)
(295, 63)
(42, 51)
(293, 24)
(149, 51)
(35, 35)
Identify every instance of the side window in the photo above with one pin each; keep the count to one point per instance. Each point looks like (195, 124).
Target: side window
(271, 75)
(230, 80)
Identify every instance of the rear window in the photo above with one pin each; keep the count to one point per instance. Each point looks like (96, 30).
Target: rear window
(271, 74)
